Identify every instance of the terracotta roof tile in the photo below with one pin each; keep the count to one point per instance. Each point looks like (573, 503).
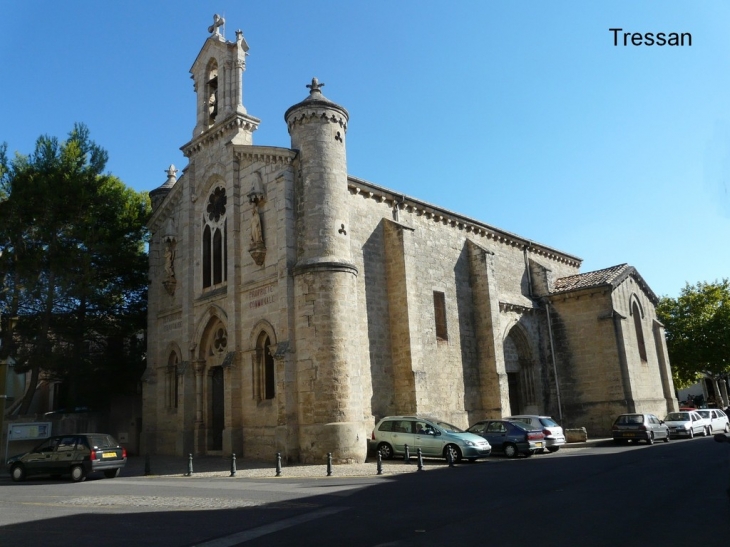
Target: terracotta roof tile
(589, 279)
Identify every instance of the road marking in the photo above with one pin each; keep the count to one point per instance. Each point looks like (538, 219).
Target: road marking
(240, 537)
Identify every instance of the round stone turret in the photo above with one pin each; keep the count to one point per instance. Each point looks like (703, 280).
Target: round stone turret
(329, 385)
(157, 196)
(317, 127)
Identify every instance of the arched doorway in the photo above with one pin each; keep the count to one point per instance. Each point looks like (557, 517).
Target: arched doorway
(214, 349)
(520, 369)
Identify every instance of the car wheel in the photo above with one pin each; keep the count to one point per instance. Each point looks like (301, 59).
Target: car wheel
(17, 473)
(650, 440)
(691, 432)
(666, 439)
(386, 451)
(510, 450)
(708, 431)
(727, 428)
(77, 473)
(553, 449)
(112, 473)
(455, 453)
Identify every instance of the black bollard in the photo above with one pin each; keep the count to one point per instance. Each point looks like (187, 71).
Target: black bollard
(233, 465)
(450, 456)
(278, 464)
(380, 463)
(329, 464)
(147, 470)
(190, 466)
(406, 454)
(420, 460)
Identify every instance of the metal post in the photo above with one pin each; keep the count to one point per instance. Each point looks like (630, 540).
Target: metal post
(380, 463)
(329, 464)
(420, 460)
(190, 466)
(147, 470)
(278, 464)
(233, 465)
(406, 454)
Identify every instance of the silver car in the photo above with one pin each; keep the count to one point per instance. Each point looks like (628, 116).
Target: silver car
(434, 437)
(717, 418)
(554, 436)
(687, 423)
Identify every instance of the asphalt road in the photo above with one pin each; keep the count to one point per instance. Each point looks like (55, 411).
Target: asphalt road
(666, 494)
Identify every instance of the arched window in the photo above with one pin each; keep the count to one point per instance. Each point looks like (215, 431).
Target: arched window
(265, 368)
(214, 259)
(171, 380)
(636, 312)
(211, 87)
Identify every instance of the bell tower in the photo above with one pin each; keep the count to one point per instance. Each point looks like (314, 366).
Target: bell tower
(217, 75)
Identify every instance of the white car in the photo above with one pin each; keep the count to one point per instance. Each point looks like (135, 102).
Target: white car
(718, 419)
(554, 437)
(687, 423)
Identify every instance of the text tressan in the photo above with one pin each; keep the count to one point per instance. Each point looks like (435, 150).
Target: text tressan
(650, 38)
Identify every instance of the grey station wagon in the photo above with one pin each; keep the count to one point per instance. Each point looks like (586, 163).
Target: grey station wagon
(435, 438)
(76, 455)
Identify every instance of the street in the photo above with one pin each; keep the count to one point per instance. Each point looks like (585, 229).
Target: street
(667, 494)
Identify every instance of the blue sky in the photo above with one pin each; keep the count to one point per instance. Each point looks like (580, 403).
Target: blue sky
(523, 115)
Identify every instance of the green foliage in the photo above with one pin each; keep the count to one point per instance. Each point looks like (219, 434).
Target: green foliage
(698, 331)
(73, 267)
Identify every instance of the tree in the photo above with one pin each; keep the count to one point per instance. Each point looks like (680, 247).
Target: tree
(698, 331)
(73, 268)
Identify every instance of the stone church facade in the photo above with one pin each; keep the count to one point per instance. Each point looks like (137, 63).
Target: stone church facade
(292, 305)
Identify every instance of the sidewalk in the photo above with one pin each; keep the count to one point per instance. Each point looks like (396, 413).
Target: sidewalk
(589, 443)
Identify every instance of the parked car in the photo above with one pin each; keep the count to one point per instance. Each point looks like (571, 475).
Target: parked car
(554, 436)
(686, 423)
(75, 455)
(637, 426)
(434, 437)
(510, 437)
(718, 419)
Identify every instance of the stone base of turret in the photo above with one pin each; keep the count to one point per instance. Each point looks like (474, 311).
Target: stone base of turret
(347, 441)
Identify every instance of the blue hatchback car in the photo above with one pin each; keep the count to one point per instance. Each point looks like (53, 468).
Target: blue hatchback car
(510, 438)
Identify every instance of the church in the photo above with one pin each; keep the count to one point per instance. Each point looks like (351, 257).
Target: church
(292, 305)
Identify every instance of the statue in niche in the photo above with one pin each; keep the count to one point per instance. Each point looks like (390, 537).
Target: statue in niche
(257, 236)
(169, 281)
(257, 248)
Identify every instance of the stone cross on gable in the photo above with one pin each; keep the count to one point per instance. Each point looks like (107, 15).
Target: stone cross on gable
(315, 86)
(218, 21)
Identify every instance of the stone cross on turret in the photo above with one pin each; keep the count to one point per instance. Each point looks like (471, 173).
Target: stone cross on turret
(218, 21)
(315, 86)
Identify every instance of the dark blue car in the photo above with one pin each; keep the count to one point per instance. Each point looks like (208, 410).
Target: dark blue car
(510, 438)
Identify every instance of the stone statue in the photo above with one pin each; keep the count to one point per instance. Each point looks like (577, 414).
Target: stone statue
(170, 258)
(257, 236)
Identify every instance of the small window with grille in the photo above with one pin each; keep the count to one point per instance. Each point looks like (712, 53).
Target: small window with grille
(439, 310)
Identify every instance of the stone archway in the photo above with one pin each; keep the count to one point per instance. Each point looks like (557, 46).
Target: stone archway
(211, 404)
(520, 369)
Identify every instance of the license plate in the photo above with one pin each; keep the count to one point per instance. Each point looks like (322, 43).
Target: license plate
(109, 455)
(629, 434)
(539, 445)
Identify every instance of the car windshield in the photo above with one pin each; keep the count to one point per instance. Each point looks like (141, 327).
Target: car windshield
(548, 422)
(704, 413)
(677, 417)
(449, 428)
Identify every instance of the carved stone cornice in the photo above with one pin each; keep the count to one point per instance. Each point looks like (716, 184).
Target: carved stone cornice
(248, 154)
(309, 113)
(368, 190)
(518, 308)
(238, 121)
